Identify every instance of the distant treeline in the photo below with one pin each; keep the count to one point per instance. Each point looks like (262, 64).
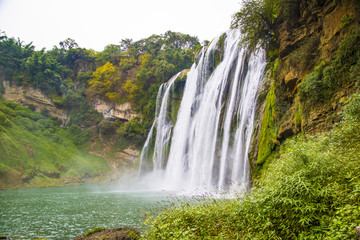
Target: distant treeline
(125, 72)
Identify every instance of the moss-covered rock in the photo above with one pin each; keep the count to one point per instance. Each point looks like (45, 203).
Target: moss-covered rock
(100, 233)
(269, 128)
(176, 95)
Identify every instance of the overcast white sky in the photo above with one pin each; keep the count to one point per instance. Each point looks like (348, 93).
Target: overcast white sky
(95, 24)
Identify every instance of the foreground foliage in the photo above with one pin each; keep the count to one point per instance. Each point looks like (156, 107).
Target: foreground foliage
(310, 190)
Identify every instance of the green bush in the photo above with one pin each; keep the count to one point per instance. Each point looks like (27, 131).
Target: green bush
(320, 85)
(3, 118)
(133, 131)
(347, 58)
(313, 88)
(11, 105)
(76, 135)
(311, 190)
(32, 107)
(44, 112)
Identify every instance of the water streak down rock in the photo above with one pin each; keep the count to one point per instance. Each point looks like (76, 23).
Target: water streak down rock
(208, 145)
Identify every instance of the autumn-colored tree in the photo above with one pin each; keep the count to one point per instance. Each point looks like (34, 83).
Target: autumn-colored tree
(131, 90)
(104, 82)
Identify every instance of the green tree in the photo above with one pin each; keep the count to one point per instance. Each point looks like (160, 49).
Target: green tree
(68, 44)
(111, 53)
(257, 20)
(13, 54)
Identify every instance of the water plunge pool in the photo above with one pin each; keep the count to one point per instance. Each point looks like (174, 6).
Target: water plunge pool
(66, 212)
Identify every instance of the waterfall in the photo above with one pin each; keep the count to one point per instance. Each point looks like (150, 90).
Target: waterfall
(163, 127)
(207, 147)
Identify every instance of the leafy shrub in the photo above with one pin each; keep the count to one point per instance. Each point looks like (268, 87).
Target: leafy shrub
(352, 109)
(3, 119)
(44, 112)
(321, 84)
(313, 87)
(11, 105)
(27, 113)
(133, 235)
(76, 135)
(133, 130)
(311, 190)
(348, 56)
(32, 107)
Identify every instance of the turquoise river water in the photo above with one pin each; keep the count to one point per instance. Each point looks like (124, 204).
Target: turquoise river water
(66, 212)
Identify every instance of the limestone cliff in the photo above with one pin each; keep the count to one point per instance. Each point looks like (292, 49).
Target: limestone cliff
(28, 96)
(309, 44)
(313, 37)
(113, 110)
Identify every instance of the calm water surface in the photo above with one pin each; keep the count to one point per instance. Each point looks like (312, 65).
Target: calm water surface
(66, 212)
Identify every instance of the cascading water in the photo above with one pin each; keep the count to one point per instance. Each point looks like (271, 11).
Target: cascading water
(210, 140)
(163, 126)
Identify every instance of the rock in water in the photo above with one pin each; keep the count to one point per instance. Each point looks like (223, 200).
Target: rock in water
(123, 233)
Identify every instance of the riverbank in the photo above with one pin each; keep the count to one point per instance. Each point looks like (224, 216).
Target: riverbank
(109, 178)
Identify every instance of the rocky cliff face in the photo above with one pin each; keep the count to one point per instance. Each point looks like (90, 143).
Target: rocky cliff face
(113, 110)
(28, 96)
(314, 37)
(308, 42)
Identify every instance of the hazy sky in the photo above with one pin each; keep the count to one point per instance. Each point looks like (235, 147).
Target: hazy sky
(95, 24)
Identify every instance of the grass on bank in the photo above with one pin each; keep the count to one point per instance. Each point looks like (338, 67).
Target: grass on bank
(309, 190)
(33, 147)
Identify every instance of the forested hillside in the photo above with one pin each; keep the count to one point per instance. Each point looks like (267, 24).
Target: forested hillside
(72, 78)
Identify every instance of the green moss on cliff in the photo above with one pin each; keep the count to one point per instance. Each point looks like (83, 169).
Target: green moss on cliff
(326, 79)
(269, 128)
(219, 53)
(176, 95)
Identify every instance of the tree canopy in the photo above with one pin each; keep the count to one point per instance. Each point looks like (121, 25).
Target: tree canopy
(125, 72)
(258, 20)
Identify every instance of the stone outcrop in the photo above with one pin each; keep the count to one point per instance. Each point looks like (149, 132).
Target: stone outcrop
(28, 96)
(113, 110)
(357, 231)
(309, 39)
(315, 36)
(123, 233)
